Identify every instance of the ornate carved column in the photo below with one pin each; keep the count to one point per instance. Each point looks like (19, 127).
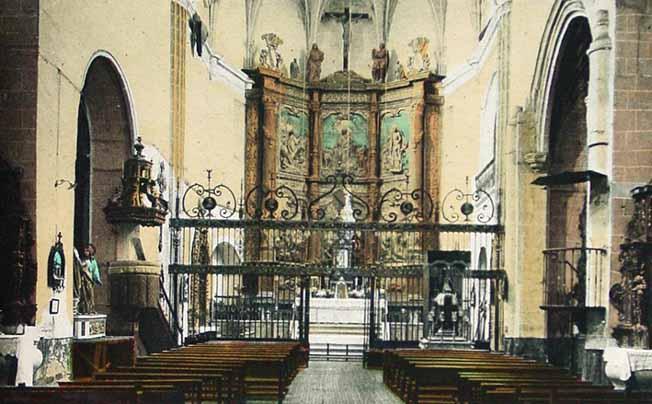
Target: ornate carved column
(631, 296)
(314, 105)
(416, 147)
(429, 148)
(269, 141)
(252, 122)
(370, 241)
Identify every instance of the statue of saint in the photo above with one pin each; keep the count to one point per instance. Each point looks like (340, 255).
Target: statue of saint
(313, 69)
(380, 62)
(399, 71)
(397, 147)
(87, 275)
(295, 71)
(291, 153)
(341, 289)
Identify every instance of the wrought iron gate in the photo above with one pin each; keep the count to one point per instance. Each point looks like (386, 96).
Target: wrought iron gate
(247, 268)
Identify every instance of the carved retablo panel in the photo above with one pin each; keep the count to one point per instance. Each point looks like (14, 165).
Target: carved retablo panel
(293, 141)
(345, 144)
(394, 142)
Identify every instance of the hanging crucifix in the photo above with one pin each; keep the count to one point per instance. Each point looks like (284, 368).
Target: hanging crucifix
(345, 19)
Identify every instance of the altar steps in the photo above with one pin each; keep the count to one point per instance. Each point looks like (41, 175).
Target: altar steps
(337, 328)
(336, 352)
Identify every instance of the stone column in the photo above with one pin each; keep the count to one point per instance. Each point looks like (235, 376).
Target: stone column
(598, 111)
(598, 107)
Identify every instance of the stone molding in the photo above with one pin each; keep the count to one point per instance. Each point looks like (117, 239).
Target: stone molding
(474, 64)
(537, 161)
(133, 267)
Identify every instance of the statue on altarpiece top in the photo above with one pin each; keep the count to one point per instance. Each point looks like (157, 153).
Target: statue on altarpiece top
(380, 58)
(313, 69)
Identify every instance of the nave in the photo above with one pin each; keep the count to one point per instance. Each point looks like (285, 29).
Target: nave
(262, 373)
(339, 382)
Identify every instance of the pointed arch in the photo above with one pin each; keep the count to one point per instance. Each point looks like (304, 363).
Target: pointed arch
(560, 18)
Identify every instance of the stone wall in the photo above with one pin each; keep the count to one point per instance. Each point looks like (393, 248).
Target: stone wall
(19, 40)
(632, 140)
(57, 361)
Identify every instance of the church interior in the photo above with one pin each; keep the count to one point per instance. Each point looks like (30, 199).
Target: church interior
(325, 201)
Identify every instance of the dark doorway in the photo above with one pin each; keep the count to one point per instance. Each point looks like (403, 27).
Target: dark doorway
(82, 179)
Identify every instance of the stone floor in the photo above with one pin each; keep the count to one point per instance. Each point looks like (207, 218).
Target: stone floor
(339, 382)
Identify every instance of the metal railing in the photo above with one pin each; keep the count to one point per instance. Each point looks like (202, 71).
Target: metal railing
(169, 313)
(337, 352)
(573, 277)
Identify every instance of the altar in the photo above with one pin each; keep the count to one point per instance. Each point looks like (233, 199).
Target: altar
(342, 311)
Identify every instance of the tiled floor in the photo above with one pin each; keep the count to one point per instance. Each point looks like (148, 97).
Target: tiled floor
(339, 382)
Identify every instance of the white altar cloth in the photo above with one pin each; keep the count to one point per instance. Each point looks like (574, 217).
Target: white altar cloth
(620, 363)
(342, 311)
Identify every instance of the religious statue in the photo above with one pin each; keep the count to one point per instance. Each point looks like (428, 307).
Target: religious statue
(198, 34)
(341, 289)
(420, 53)
(395, 151)
(57, 265)
(313, 69)
(295, 70)
(447, 308)
(262, 58)
(292, 152)
(87, 275)
(399, 71)
(274, 59)
(161, 180)
(380, 62)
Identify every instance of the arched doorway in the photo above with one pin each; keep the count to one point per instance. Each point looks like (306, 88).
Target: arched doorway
(568, 137)
(567, 192)
(104, 139)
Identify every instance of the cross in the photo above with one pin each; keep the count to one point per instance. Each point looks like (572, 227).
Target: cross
(345, 18)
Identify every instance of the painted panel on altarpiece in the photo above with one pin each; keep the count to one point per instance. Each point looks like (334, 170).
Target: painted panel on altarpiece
(345, 144)
(394, 142)
(293, 141)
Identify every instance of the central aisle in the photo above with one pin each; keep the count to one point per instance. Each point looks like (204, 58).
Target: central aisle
(339, 382)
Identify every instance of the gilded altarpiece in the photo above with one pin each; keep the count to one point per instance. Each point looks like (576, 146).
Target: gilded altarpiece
(298, 134)
(385, 135)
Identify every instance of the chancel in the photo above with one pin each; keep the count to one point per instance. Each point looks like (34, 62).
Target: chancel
(321, 201)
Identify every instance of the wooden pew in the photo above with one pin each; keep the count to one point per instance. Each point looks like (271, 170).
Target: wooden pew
(92, 394)
(268, 367)
(231, 374)
(195, 387)
(440, 376)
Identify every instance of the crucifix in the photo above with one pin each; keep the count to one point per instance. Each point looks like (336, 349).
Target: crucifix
(345, 18)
